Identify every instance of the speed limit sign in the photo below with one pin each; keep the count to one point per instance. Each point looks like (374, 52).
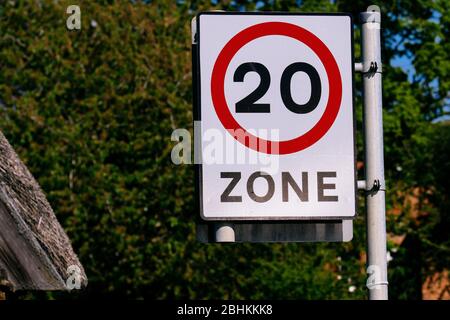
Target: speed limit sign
(275, 104)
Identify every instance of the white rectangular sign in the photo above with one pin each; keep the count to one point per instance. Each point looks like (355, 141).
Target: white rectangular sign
(275, 101)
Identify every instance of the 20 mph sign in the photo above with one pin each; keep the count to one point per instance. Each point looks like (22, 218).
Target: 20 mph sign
(275, 101)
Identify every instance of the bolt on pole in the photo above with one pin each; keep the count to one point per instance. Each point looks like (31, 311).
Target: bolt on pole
(224, 232)
(374, 160)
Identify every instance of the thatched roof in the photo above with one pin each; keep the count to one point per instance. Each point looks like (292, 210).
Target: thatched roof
(35, 252)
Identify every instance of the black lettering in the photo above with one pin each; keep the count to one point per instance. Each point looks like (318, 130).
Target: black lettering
(248, 103)
(321, 186)
(225, 197)
(270, 189)
(285, 86)
(287, 180)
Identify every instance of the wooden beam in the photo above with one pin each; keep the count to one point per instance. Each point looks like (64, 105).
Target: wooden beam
(35, 252)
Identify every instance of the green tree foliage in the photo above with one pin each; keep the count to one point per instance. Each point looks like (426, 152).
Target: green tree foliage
(91, 113)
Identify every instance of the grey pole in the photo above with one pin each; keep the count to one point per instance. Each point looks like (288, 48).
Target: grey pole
(374, 161)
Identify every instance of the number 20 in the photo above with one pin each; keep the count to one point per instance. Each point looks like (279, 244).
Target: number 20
(248, 105)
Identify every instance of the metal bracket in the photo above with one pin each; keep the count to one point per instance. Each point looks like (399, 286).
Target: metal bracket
(381, 283)
(374, 67)
(361, 185)
(376, 187)
(194, 36)
(359, 66)
(371, 67)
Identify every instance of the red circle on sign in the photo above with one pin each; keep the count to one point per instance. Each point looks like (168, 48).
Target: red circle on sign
(317, 46)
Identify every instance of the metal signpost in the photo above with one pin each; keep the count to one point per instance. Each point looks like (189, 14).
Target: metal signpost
(278, 89)
(374, 159)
